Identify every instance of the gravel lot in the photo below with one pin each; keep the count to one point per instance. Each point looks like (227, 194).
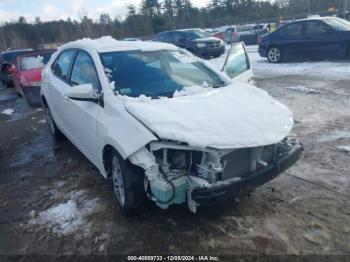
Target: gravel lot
(53, 200)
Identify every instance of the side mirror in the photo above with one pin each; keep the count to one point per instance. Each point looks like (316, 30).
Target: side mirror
(83, 92)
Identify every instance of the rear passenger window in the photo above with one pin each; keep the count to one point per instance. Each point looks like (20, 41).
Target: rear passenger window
(61, 65)
(316, 27)
(294, 29)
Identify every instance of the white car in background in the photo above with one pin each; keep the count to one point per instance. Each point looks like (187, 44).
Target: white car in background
(164, 124)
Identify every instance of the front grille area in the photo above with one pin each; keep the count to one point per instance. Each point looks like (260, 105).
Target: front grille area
(240, 162)
(237, 163)
(213, 44)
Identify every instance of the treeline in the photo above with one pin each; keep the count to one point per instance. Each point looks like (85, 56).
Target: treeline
(153, 16)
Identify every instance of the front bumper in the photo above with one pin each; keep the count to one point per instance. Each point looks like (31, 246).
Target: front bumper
(32, 94)
(228, 192)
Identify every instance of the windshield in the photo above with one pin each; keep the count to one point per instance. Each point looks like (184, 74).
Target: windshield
(245, 28)
(195, 34)
(156, 73)
(35, 61)
(338, 24)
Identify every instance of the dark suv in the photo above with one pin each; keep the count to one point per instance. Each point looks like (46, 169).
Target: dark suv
(7, 59)
(196, 41)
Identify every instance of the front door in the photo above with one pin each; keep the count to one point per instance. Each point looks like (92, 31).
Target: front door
(237, 63)
(82, 115)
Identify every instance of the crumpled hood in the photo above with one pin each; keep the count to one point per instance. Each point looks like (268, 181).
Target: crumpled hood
(235, 116)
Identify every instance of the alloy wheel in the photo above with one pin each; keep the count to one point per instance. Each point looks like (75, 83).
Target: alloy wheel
(274, 55)
(118, 183)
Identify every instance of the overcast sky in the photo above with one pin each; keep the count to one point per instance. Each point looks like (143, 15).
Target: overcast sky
(62, 9)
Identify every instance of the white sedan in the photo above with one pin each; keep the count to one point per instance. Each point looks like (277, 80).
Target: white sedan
(164, 124)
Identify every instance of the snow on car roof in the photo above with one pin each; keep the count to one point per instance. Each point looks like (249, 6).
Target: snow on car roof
(109, 44)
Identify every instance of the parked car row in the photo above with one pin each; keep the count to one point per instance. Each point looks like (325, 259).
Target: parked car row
(22, 69)
(197, 41)
(248, 33)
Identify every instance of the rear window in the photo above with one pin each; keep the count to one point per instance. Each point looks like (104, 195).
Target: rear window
(35, 61)
(338, 24)
(294, 29)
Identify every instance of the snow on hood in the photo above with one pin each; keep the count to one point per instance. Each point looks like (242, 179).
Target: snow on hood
(229, 117)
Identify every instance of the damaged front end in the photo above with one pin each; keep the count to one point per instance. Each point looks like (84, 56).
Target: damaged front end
(176, 173)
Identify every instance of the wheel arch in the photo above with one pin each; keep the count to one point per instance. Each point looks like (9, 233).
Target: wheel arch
(107, 159)
(43, 100)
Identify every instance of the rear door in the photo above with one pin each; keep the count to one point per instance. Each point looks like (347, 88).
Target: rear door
(237, 63)
(321, 41)
(57, 82)
(292, 40)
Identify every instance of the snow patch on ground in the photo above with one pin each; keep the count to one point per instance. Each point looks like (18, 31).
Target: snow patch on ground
(334, 136)
(69, 217)
(8, 111)
(42, 121)
(262, 68)
(304, 89)
(345, 149)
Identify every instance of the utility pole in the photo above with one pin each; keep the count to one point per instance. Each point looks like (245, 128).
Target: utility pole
(308, 7)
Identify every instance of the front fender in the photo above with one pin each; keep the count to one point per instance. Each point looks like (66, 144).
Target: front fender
(119, 129)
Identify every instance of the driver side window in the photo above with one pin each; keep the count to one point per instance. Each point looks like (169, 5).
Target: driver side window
(84, 71)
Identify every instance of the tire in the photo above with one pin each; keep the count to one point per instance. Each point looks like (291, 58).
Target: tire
(128, 185)
(55, 132)
(274, 55)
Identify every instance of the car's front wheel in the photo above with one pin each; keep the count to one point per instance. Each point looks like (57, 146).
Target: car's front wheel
(55, 132)
(274, 55)
(128, 185)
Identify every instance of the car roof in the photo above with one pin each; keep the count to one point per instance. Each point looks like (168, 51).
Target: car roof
(38, 52)
(183, 30)
(17, 51)
(108, 44)
(314, 19)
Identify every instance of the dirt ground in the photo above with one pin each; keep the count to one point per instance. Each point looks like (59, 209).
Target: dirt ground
(306, 210)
